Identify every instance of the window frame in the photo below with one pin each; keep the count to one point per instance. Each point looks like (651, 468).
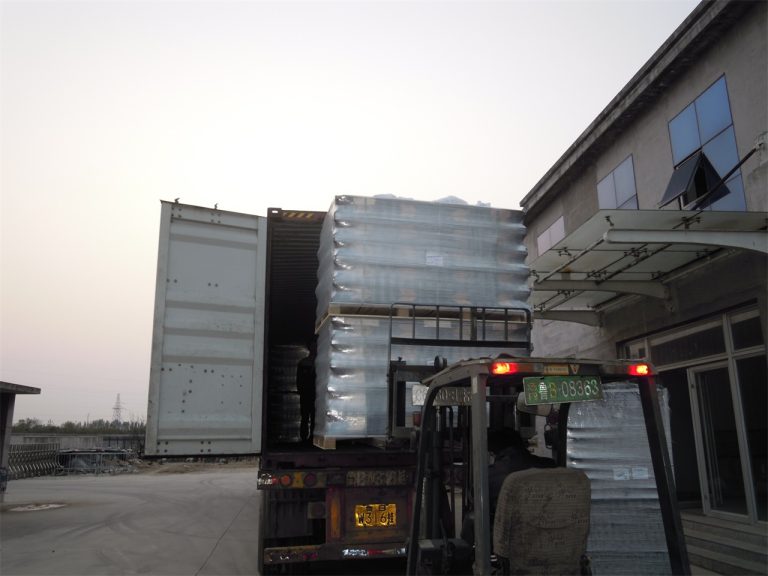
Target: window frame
(612, 176)
(736, 193)
(544, 240)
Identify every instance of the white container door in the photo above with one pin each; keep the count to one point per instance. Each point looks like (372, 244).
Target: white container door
(205, 393)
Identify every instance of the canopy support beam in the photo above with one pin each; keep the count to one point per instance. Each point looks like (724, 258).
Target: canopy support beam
(756, 240)
(643, 288)
(588, 317)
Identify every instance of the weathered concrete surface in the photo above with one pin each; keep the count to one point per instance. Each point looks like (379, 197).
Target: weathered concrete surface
(196, 523)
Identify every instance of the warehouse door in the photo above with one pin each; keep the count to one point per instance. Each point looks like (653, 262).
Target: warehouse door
(729, 401)
(717, 441)
(722, 362)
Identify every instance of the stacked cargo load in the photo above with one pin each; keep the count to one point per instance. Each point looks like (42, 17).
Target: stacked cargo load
(608, 442)
(378, 252)
(385, 250)
(284, 413)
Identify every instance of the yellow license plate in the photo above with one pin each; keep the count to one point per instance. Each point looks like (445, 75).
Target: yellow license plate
(375, 515)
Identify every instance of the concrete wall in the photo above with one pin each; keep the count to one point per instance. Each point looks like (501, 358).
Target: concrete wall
(576, 206)
(742, 55)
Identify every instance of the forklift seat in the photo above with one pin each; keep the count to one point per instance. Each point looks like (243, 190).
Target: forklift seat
(542, 521)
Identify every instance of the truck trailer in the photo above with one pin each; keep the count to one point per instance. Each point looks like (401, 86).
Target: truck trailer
(240, 297)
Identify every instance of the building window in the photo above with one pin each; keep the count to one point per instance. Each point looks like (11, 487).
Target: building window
(551, 236)
(702, 342)
(705, 127)
(617, 190)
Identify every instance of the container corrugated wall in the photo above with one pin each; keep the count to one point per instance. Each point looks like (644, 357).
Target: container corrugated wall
(207, 347)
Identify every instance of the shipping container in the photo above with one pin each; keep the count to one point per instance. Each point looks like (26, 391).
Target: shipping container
(237, 309)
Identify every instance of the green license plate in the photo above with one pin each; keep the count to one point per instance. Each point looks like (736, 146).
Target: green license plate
(375, 515)
(559, 389)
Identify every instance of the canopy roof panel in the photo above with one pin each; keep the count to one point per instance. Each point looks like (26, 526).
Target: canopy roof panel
(600, 261)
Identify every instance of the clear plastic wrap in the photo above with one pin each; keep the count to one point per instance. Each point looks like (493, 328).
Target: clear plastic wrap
(386, 250)
(352, 363)
(608, 441)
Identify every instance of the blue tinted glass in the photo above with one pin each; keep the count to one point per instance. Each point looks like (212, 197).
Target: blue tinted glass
(630, 204)
(624, 180)
(713, 111)
(734, 201)
(606, 193)
(722, 153)
(684, 134)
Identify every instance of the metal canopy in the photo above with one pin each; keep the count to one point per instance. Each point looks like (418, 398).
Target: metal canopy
(620, 252)
(11, 388)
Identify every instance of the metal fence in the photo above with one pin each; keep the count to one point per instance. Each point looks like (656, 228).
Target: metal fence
(27, 460)
(133, 442)
(96, 461)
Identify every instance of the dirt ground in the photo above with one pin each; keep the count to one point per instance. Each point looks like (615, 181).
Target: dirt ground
(168, 466)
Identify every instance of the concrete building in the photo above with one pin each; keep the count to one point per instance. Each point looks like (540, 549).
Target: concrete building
(8, 392)
(648, 239)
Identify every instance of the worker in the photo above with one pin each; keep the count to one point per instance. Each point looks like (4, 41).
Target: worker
(305, 384)
(509, 453)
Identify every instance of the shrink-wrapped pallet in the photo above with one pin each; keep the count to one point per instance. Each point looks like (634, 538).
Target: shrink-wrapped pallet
(608, 441)
(352, 363)
(378, 251)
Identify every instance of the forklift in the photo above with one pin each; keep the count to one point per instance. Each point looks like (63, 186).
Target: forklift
(540, 520)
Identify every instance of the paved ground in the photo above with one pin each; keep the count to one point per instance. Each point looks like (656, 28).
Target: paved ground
(174, 519)
(158, 523)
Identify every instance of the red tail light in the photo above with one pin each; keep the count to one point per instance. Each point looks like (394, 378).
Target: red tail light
(501, 368)
(639, 370)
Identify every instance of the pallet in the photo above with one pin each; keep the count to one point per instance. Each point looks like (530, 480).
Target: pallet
(334, 442)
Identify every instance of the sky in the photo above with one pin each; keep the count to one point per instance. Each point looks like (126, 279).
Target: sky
(108, 107)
